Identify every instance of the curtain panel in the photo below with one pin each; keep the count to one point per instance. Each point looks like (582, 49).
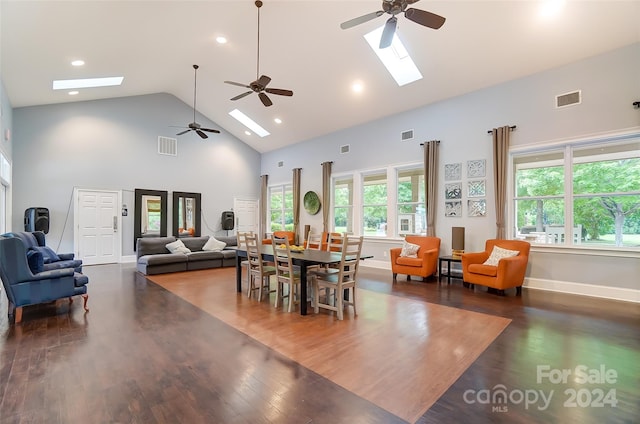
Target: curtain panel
(326, 195)
(296, 202)
(264, 192)
(501, 138)
(431, 184)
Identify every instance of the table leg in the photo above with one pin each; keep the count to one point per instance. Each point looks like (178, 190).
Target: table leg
(303, 289)
(238, 273)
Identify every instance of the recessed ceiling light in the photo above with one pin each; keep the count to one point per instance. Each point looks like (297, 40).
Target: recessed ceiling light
(77, 63)
(249, 123)
(73, 93)
(247, 132)
(221, 39)
(86, 83)
(551, 8)
(357, 87)
(277, 121)
(395, 58)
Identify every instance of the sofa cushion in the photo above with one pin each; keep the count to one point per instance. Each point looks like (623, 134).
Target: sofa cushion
(152, 245)
(499, 253)
(80, 280)
(214, 244)
(229, 253)
(35, 261)
(48, 255)
(488, 270)
(162, 258)
(204, 255)
(195, 243)
(229, 240)
(401, 260)
(75, 264)
(177, 247)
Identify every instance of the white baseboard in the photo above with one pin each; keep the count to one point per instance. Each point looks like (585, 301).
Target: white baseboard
(605, 292)
(128, 259)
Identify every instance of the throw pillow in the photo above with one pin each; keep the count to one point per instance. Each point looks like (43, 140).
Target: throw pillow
(35, 261)
(214, 245)
(48, 255)
(409, 250)
(177, 247)
(498, 253)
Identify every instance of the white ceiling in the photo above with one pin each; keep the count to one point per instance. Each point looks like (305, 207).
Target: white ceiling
(154, 44)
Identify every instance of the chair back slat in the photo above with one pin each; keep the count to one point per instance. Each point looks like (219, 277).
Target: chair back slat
(282, 259)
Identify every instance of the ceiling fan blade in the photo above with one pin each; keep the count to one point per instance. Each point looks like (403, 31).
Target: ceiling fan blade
(184, 132)
(361, 19)
(388, 32)
(237, 83)
(263, 80)
(210, 130)
(424, 18)
(201, 134)
(279, 91)
(265, 99)
(239, 96)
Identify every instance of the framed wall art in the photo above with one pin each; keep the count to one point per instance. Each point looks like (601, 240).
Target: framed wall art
(452, 171)
(453, 191)
(476, 188)
(476, 168)
(477, 207)
(453, 208)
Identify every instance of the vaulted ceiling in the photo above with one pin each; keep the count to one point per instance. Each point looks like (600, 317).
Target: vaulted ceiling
(154, 44)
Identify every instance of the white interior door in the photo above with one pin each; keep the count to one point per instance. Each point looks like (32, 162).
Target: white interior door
(246, 214)
(97, 220)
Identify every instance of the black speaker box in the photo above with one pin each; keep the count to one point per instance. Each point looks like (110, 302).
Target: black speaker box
(36, 219)
(228, 220)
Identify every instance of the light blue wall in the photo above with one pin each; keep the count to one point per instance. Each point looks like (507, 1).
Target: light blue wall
(112, 144)
(610, 83)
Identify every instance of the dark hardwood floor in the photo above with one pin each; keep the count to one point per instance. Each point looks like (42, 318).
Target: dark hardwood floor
(144, 355)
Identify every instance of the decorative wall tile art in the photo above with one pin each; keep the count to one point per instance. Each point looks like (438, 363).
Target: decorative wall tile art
(453, 208)
(477, 207)
(453, 191)
(476, 168)
(452, 171)
(476, 188)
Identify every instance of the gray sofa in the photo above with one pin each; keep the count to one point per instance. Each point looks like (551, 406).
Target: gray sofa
(154, 258)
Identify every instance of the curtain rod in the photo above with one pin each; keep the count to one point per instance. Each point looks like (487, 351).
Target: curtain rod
(437, 141)
(512, 127)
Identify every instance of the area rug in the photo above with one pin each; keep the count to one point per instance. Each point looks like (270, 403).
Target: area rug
(400, 354)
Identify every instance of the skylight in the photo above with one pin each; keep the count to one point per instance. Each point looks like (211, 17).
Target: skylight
(249, 123)
(86, 83)
(395, 58)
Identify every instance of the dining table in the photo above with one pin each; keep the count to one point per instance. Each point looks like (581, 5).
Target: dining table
(303, 259)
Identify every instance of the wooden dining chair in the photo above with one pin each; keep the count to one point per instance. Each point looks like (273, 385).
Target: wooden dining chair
(259, 271)
(337, 281)
(242, 244)
(286, 273)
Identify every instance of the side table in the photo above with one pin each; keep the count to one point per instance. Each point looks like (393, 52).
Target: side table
(449, 260)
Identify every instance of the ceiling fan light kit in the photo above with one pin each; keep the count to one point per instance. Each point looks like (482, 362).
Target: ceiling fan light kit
(393, 8)
(194, 126)
(259, 86)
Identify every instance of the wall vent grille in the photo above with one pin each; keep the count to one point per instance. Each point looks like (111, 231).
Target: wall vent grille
(345, 149)
(167, 146)
(568, 99)
(280, 164)
(406, 135)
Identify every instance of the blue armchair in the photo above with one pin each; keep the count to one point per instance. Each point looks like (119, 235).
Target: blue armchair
(35, 242)
(24, 287)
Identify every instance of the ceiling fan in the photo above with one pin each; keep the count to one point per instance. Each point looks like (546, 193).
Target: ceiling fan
(194, 126)
(394, 7)
(260, 84)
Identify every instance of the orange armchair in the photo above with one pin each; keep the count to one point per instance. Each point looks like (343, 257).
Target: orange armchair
(424, 265)
(290, 235)
(507, 274)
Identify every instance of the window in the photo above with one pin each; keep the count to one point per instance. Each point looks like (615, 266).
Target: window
(281, 208)
(411, 210)
(580, 194)
(343, 204)
(374, 204)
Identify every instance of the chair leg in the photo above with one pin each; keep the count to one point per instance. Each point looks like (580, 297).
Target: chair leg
(518, 290)
(395, 275)
(340, 305)
(316, 299)
(353, 300)
(85, 297)
(18, 314)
